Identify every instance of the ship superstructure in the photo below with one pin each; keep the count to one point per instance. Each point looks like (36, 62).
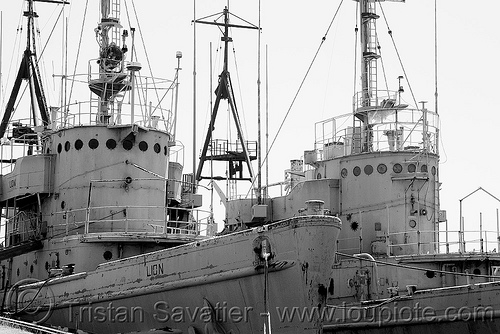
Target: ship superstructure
(103, 232)
(98, 215)
(98, 179)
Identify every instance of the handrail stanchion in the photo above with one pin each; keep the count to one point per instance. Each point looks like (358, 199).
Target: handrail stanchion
(498, 234)
(447, 240)
(481, 232)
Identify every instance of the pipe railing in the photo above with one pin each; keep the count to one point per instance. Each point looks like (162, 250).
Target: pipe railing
(480, 239)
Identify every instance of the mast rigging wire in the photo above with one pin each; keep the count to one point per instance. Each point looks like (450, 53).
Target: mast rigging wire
(39, 56)
(389, 31)
(298, 90)
(405, 266)
(77, 55)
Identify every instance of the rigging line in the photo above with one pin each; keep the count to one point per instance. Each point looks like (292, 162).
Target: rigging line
(382, 63)
(77, 53)
(147, 56)
(399, 56)
(41, 53)
(435, 57)
(405, 266)
(16, 45)
(298, 90)
(239, 89)
(369, 307)
(356, 30)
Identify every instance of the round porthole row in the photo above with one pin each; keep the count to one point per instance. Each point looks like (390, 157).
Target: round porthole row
(368, 169)
(67, 146)
(356, 171)
(157, 148)
(382, 168)
(397, 168)
(143, 146)
(78, 144)
(111, 143)
(344, 172)
(127, 144)
(412, 168)
(93, 143)
(59, 148)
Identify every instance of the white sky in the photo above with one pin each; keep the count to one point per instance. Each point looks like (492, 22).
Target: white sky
(292, 30)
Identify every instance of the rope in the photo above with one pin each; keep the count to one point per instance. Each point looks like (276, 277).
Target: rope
(416, 268)
(387, 301)
(77, 55)
(298, 91)
(356, 29)
(389, 31)
(147, 59)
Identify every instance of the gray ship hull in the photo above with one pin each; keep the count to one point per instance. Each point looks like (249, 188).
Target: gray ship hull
(217, 284)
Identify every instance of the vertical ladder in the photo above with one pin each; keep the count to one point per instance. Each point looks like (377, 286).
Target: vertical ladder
(370, 55)
(115, 13)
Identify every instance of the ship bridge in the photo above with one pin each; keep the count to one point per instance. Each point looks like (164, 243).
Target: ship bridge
(386, 126)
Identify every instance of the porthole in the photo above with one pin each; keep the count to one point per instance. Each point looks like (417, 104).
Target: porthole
(143, 146)
(157, 148)
(107, 255)
(412, 223)
(111, 143)
(368, 169)
(412, 168)
(344, 172)
(93, 143)
(423, 168)
(127, 144)
(67, 146)
(397, 168)
(381, 168)
(356, 171)
(433, 170)
(318, 176)
(165, 150)
(31, 269)
(63, 205)
(59, 148)
(78, 144)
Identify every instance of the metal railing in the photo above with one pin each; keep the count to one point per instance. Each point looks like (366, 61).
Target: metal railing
(197, 223)
(389, 130)
(478, 241)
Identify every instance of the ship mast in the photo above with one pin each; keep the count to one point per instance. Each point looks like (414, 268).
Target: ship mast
(234, 153)
(28, 70)
(367, 99)
(111, 79)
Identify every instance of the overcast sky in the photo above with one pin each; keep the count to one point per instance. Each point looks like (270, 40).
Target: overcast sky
(292, 31)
